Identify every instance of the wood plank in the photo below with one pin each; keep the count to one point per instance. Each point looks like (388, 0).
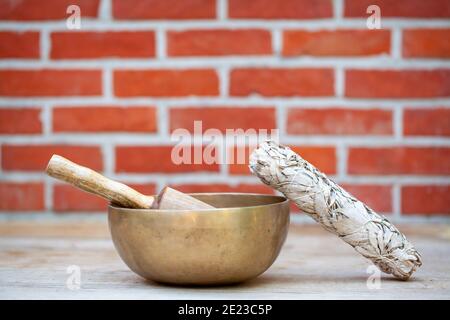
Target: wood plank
(34, 257)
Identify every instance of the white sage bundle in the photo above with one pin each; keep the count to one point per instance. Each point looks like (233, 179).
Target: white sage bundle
(335, 209)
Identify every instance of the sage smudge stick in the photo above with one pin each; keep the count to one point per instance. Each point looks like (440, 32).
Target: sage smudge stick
(369, 233)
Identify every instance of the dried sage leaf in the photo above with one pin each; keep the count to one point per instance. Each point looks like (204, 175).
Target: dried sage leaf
(369, 233)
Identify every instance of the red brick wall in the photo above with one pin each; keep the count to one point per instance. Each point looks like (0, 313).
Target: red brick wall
(371, 108)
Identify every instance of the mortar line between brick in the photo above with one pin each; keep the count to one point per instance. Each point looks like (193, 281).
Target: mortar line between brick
(361, 63)
(163, 116)
(46, 117)
(45, 44)
(107, 84)
(196, 177)
(224, 81)
(277, 41)
(307, 24)
(396, 200)
(48, 193)
(281, 120)
(223, 166)
(108, 154)
(105, 12)
(161, 43)
(339, 82)
(342, 158)
(222, 10)
(338, 10)
(319, 102)
(396, 43)
(398, 122)
(161, 139)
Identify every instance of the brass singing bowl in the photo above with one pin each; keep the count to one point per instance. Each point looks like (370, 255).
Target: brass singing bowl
(236, 241)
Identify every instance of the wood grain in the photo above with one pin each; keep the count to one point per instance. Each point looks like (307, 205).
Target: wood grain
(170, 198)
(34, 257)
(118, 193)
(93, 182)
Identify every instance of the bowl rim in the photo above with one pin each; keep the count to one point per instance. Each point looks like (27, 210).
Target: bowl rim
(283, 199)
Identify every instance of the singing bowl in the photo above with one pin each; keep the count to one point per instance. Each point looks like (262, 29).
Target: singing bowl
(236, 241)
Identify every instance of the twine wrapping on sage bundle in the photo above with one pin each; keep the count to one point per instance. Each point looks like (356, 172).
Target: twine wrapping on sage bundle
(369, 233)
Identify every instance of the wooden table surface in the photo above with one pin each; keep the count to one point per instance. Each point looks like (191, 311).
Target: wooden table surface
(34, 257)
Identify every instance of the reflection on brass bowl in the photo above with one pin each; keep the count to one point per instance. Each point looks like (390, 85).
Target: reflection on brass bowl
(235, 242)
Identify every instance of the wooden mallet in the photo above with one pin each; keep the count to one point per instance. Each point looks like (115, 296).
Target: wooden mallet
(118, 193)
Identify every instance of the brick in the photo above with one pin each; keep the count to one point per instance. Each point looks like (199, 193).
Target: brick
(67, 198)
(104, 119)
(15, 196)
(426, 122)
(36, 157)
(156, 159)
(45, 82)
(223, 118)
(399, 160)
(280, 9)
(294, 209)
(219, 42)
(426, 43)
(45, 10)
(336, 42)
(377, 197)
(399, 8)
(282, 82)
(144, 188)
(92, 45)
(164, 9)
(323, 157)
(397, 84)
(20, 121)
(237, 159)
(166, 83)
(339, 121)
(24, 45)
(426, 199)
(221, 187)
